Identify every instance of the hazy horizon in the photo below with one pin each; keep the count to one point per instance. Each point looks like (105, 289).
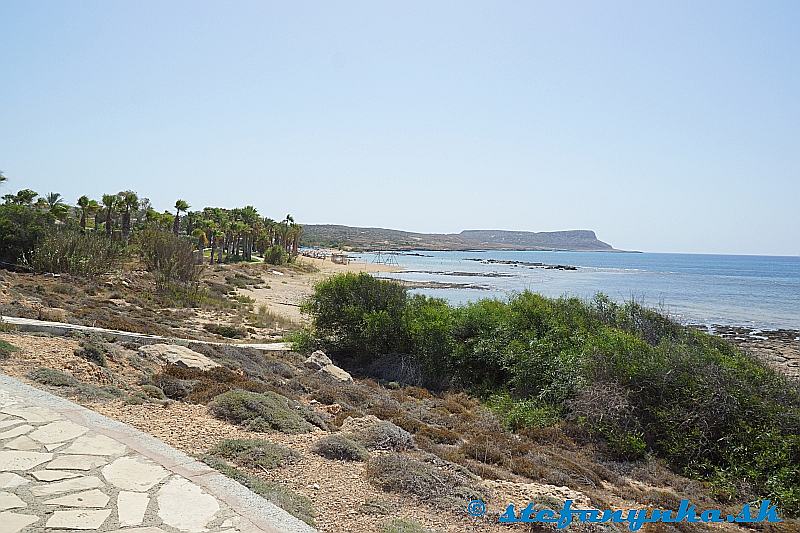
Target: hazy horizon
(663, 128)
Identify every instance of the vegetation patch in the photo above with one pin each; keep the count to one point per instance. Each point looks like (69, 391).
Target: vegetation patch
(254, 453)
(92, 350)
(340, 448)
(399, 525)
(404, 475)
(259, 412)
(622, 377)
(6, 349)
(52, 377)
(288, 500)
(383, 435)
(226, 330)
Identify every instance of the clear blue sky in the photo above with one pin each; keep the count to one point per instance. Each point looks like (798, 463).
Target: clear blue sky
(664, 126)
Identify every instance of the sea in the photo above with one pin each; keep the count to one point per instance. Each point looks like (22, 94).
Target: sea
(756, 292)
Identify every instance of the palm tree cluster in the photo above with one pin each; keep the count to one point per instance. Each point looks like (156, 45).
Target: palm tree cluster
(231, 234)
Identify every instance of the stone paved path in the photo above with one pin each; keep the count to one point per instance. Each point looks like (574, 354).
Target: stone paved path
(64, 467)
(62, 328)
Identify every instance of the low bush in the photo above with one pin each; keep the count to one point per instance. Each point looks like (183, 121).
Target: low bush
(151, 391)
(92, 350)
(288, 500)
(404, 475)
(259, 412)
(276, 255)
(6, 349)
(252, 453)
(50, 376)
(382, 435)
(399, 525)
(226, 330)
(340, 448)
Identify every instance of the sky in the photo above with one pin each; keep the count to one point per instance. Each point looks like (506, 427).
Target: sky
(663, 126)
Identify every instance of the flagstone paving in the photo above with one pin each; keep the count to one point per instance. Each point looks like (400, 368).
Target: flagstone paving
(64, 468)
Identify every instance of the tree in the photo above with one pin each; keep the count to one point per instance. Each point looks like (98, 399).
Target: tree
(180, 207)
(53, 199)
(130, 202)
(3, 177)
(23, 197)
(110, 202)
(83, 205)
(20, 228)
(93, 210)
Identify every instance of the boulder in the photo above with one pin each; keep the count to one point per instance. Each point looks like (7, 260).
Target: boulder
(52, 314)
(318, 360)
(336, 373)
(178, 355)
(323, 365)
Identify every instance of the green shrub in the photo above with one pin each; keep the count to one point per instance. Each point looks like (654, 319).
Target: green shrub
(170, 258)
(340, 448)
(358, 314)
(6, 348)
(74, 252)
(50, 376)
(259, 412)
(153, 392)
(21, 227)
(711, 411)
(276, 255)
(92, 350)
(253, 453)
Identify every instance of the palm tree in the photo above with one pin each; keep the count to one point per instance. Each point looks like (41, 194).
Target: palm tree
(93, 210)
(3, 177)
(129, 202)
(53, 199)
(83, 205)
(180, 207)
(109, 201)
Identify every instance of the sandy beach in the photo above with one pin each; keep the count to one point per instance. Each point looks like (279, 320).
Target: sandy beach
(289, 286)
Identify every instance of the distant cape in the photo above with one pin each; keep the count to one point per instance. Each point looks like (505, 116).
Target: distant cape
(355, 238)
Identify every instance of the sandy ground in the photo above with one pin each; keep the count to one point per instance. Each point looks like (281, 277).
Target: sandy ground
(288, 288)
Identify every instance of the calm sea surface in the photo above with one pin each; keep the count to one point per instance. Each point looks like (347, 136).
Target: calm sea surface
(754, 291)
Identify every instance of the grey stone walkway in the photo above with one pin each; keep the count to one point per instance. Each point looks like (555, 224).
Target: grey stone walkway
(62, 328)
(64, 467)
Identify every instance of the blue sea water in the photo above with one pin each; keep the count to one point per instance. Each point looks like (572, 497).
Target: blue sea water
(751, 291)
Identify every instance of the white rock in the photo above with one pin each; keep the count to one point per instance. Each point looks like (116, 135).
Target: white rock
(9, 480)
(90, 498)
(80, 519)
(178, 355)
(12, 422)
(23, 443)
(60, 431)
(34, 415)
(76, 462)
(13, 522)
(134, 473)
(53, 475)
(95, 445)
(183, 505)
(70, 485)
(15, 432)
(10, 501)
(318, 360)
(131, 507)
(21, 460)
(336, 373)
(139, 530)
(54, 446)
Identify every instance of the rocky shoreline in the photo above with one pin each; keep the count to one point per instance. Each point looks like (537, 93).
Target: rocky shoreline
(780, 348)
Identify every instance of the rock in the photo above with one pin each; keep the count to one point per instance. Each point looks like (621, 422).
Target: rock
(13, 522)
(60, 431)
(95, 445)
(178, 355)
(183, 505)
(336, 373)
(322, 364)
(70, 485)
(131, 507)
(133, 473)
(78, 519)
(75, 462)
(10, 501)
(90, 498)
(318, 360)
(21, 460)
